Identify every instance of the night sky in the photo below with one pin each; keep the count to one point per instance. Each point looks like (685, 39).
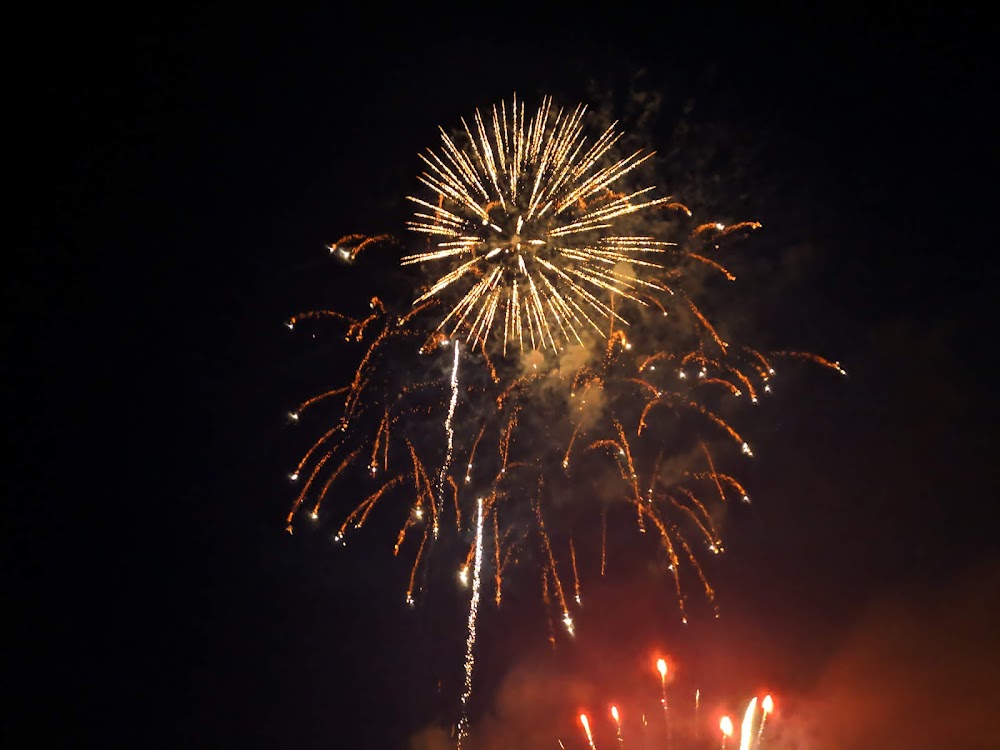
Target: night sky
(176, 178)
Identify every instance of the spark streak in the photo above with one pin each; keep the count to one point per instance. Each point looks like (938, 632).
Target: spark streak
(767, 706)
(746, 729)
(726, 725)
(618, 725)
(586, 728)
(470, 638)
(450, 432)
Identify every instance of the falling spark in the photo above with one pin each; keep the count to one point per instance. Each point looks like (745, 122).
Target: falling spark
(450, 432)
(470, 639)
(726, 725)
(661, 667)
(586, 728)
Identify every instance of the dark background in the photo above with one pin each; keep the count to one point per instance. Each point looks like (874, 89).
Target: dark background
(176, 177)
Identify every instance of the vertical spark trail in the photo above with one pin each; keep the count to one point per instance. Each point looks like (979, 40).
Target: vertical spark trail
(442, 478)
(586, 728)
(618, 725)
(470, 639)
(661, 667)
(746, 729)
(726, 725)
(767, 705)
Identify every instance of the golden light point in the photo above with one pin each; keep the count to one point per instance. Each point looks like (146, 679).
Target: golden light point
(314, 515)
(767, 704)
(726, 725)
(293, 476)
(293, 415)
(614, 713)
(661, 667)
(568, 622)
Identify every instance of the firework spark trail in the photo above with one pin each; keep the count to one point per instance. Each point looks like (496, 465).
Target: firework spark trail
(726, 726)
(586, 728)
(767, 706)
(470, 639)
(553, 571)
(450, 432)
(618, 725)
(746, 729)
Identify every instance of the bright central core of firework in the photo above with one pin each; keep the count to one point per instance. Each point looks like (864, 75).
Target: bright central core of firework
(524, 219)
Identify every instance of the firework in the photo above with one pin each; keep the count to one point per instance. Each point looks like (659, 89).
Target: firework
(470, 642)
(529, 228)
(767, 706)
(746, 728)
(689, 732)
(585, 722)
(618, 725)
(554, 373)
(726, 727)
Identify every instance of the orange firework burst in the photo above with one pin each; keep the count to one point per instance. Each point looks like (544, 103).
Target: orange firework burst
(555, 376)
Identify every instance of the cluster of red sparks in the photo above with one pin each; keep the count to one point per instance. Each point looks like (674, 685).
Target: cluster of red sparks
(698, 734)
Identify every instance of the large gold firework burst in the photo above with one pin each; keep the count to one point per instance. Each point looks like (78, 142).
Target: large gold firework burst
(529, 230)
